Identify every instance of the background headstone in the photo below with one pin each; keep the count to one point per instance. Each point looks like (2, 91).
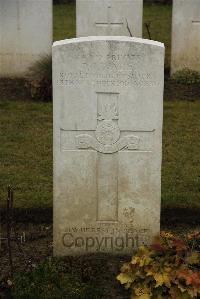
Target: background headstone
(25, 34)
(109, 17)
(108, 102)
(185, 35)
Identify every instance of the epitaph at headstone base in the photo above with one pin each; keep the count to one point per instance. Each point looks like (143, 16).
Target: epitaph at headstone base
(108, 99)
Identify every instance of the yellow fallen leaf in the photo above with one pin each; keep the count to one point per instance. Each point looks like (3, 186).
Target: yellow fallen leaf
(194, 258)
(144, 296)
(124, 278)
(162, 278)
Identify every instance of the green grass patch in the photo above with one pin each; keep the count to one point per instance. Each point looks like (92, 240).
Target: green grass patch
(160, 18)
(187, 77)
(64, 21)
(181, 159)
(26, 153)
(54, 279)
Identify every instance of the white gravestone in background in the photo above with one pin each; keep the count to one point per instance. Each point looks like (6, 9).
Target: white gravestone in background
(108, 102)
(185, 35)
(109, 17)
(25, 34)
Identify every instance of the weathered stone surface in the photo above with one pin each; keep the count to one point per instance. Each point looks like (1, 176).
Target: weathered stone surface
(25, 34)
(185, 35)
(109, 17)
(108, 101)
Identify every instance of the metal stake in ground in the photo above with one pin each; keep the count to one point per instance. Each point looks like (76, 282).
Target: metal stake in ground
(9, 221)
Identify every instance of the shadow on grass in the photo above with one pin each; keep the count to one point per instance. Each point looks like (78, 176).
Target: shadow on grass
(170, 217)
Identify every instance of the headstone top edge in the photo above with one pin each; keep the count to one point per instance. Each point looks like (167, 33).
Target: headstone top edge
(109, 38)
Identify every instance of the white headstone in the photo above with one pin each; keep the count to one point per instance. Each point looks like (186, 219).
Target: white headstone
(185, 35)
(109, 17)
(108, 102)
(25, 34)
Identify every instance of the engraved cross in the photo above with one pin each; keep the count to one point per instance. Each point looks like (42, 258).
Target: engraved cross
(107, 140)
(196, 22)
(109, 23)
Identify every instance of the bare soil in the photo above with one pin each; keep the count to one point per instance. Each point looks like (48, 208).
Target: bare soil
(16, 89)
(179, 91)
(37, 226)
(13, 89)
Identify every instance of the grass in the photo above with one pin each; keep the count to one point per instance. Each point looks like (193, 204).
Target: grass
(52, 279)
(64, 21)
(181, 159)
(26, 153)
(159, 17)
(86, 277)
